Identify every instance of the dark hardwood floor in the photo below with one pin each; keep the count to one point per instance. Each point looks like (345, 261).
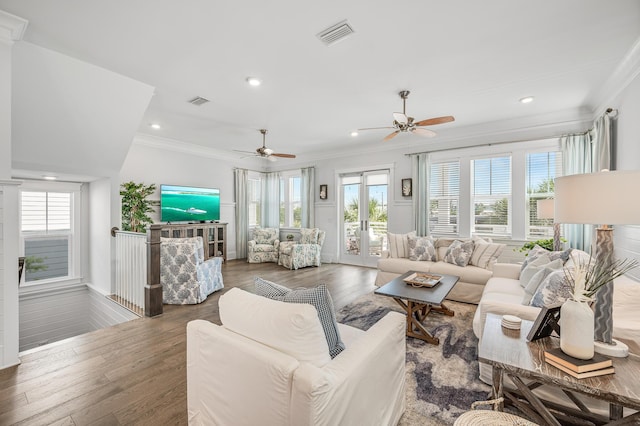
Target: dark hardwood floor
(135, 373)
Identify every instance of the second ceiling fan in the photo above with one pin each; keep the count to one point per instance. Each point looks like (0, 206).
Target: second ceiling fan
(267, 153)
(403, 123)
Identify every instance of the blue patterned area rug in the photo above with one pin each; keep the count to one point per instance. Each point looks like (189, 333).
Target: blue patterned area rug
(442, 380)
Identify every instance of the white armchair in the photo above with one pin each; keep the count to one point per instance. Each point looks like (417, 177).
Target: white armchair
(251, 371)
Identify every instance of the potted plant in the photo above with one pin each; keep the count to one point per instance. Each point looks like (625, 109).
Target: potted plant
(289, 237)
(546, 244)
(136, 206)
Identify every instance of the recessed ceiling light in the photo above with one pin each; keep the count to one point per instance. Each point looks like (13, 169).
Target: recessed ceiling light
(354, 133)
(154, 126)
(254, 81)
(526, 99)
(50, 177)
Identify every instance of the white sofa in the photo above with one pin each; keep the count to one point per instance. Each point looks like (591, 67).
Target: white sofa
(468, 289)
(503, 295)
(269, 365)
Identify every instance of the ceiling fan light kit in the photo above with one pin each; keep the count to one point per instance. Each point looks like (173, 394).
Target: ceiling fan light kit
(403, 123)
(265, 152)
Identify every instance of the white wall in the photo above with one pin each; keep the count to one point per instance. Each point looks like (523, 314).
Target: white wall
(103, 217)
(627, 157)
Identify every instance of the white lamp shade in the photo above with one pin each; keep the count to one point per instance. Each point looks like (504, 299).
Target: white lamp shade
(604, 198)
(545, 209)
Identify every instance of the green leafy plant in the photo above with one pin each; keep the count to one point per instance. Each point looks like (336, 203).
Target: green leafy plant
(136, 206)
(289, 237)
(545, 244)
(590, 275)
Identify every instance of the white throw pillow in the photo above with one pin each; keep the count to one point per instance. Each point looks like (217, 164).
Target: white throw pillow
(485, 254)
(534, 266)
(292, 328)
(399, 244)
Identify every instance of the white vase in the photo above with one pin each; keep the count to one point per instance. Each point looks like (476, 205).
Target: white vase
(576, 329)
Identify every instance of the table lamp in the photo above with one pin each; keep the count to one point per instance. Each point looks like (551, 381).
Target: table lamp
(546, 210)
(604, 198)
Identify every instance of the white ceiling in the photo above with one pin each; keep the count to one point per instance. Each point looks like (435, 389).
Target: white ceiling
(469, 59)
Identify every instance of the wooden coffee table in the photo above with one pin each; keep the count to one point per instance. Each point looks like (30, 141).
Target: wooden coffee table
(508, 352)
(420, 302)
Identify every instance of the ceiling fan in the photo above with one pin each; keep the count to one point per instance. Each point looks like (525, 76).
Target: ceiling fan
(403, 123)
(265, 152)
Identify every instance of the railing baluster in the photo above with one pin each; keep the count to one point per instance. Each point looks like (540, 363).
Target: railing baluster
(131, 270)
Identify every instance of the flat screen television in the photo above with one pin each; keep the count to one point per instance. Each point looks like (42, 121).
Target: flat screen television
(189, 204)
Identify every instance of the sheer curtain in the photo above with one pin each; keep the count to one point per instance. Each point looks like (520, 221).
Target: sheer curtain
(307, 197)
(241, 177)
(586, 153)
(271, 200)
(420, 192)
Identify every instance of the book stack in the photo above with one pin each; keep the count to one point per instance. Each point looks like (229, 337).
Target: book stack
(599, 365)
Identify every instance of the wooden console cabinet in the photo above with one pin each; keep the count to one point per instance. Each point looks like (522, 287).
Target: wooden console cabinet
(214, 236)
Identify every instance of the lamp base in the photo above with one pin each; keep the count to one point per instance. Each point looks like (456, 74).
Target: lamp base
(616, 350)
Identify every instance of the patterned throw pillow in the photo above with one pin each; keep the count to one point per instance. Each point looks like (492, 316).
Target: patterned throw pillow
(318, 297)
(532, 267)
(553, 291)
(459, 253)
(309, 235)
(485, 254)
(537, 279)
(537, 251)
(422, 249)
(399, 244)
(264, 235)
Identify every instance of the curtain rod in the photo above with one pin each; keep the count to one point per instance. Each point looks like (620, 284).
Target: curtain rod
(612, 111)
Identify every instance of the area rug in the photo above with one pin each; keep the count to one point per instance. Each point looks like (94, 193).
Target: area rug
(442, 380)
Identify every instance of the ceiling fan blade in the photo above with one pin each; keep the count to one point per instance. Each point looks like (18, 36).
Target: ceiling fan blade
(391, 135)
(244, 152)
(423, 132)
(376, 128)
(275, 154)
(400, 117)
(437, 120)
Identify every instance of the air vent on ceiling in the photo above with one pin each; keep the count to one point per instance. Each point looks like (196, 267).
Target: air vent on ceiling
(198, 100)
(336, 33)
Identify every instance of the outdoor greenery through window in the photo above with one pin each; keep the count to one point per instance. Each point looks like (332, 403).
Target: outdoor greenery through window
(444, 194)
(542, 169)
(492, 196)
(48, 232)
(290, 201)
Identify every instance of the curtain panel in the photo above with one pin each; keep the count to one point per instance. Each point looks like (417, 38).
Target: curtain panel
(271, 200)
(307, 188)
(420, 192)
(241, 177)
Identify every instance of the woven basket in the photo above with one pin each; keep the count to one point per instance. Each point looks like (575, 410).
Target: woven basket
(493, 418)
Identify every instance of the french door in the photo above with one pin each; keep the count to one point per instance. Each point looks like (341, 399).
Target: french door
(363, 216)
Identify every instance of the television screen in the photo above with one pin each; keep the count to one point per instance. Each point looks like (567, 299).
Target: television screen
(189, 204)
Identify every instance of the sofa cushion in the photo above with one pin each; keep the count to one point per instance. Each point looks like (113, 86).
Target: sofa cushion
(485, 254)
(468, 274)
(290, 328)
(532, 267)
(399, 244)
(502, 285)
(537, 251)
(553, 290)
(265, 235)
(537, 279)
(309, 235)
(422, 249)
(459, 253)
(400, 265)
(318, 297)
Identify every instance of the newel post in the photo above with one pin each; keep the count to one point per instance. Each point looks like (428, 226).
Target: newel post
(153, 289)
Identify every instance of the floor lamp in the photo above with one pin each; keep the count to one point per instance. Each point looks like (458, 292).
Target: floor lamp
(546, 210)
(604, 198)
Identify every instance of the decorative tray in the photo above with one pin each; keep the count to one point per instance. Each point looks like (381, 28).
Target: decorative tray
(421, 279)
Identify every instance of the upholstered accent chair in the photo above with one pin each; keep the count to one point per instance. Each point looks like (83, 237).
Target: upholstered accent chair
(275, 368)
(185, 276)
(304, 253)
(264, 246)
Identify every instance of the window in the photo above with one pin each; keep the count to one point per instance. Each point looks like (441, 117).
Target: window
(542, 169)
(255, 206)
(290, 200)
(491, 192)
(49, 231)
(444, 194)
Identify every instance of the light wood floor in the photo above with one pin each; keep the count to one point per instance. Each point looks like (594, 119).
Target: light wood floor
(134, 373)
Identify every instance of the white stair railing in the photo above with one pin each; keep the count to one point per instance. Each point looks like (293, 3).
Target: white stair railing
(131, 270)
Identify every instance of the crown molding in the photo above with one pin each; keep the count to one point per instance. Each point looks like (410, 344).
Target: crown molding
(626, 71)
(142, 139)
(12, 27)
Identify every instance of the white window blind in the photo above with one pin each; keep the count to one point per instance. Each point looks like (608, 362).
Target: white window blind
(45, 212)
(491, 192)
(253, 194)
(542, 169)
(290, 201)
(444, 195)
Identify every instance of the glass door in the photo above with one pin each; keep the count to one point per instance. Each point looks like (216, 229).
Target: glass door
(364, 206)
